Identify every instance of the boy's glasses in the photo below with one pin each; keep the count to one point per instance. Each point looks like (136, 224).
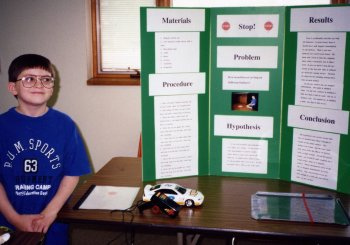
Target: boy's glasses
(30, 81)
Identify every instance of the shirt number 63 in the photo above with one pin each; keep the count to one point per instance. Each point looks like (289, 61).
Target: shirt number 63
(30, 166)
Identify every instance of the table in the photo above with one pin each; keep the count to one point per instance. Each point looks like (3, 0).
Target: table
(21, 237)
(226, 210)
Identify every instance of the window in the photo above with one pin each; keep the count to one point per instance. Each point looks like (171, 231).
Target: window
(115, 40)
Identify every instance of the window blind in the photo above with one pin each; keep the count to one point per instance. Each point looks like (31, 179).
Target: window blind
(120, 34)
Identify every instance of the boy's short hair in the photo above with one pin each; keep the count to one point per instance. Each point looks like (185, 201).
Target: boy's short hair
(29, 61)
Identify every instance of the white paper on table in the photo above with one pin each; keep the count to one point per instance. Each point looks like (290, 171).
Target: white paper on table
(110, 198)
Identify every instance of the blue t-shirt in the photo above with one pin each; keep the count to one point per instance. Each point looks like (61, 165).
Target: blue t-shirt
(35, 154)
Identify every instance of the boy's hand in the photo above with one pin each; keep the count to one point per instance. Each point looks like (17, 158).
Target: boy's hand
(24, 222)
(49, 214)
(43, 224)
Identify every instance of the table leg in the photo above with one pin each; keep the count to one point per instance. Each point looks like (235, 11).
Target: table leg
(190, 239)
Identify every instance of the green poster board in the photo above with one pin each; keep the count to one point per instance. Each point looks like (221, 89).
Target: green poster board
(226, 91)
(234, 83)
(329, 67)
(148, 65)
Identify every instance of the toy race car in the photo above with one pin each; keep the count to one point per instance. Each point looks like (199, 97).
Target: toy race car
(181, 195)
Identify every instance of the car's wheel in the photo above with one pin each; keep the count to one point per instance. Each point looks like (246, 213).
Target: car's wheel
(189, 203)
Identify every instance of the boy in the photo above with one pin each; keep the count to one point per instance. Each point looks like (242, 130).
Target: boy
(41, 153)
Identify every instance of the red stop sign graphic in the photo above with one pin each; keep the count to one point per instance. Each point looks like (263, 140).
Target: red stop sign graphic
(268, 26)
(225, 26)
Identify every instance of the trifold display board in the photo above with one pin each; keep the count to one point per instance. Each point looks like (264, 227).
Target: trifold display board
(260, 92)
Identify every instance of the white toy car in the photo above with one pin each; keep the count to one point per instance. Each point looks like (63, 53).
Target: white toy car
(179, 194)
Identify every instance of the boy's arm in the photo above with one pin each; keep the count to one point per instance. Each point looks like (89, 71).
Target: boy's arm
(21, 222)
(65, 189)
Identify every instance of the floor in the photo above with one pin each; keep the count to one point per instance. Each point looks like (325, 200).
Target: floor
(87, 235)
(92, 235)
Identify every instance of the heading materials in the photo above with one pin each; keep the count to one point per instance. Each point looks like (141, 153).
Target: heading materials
(173, 20)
